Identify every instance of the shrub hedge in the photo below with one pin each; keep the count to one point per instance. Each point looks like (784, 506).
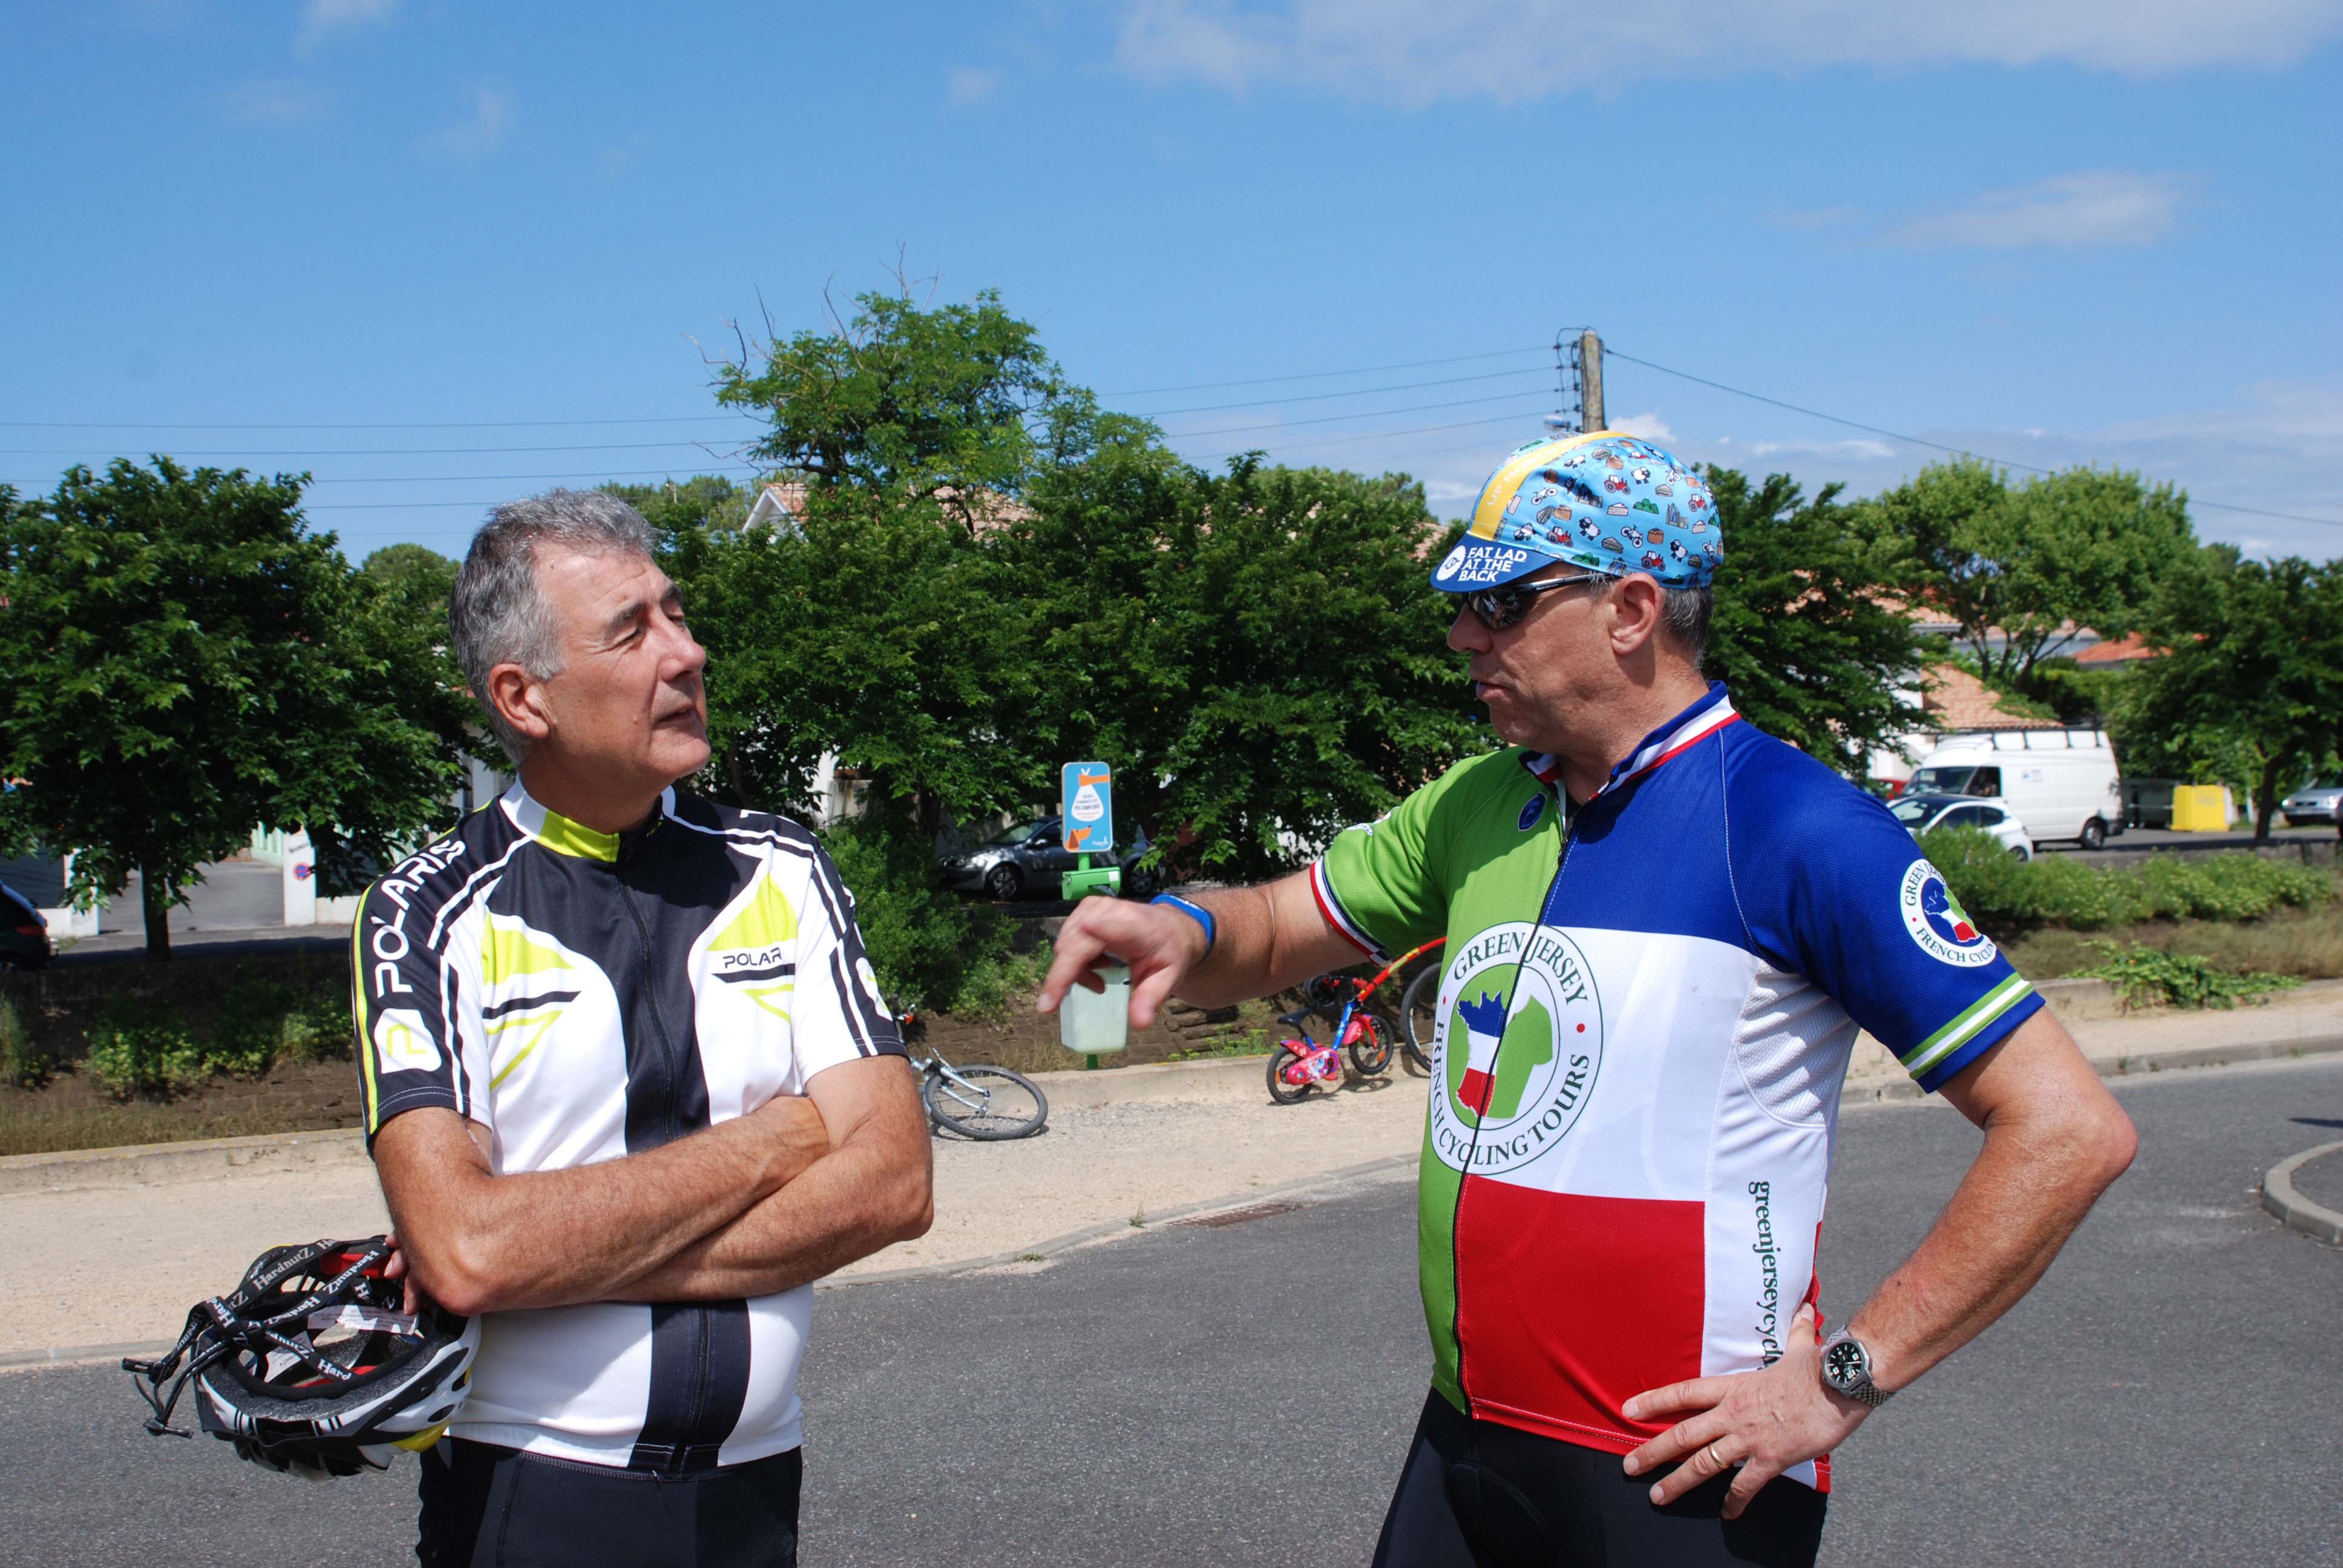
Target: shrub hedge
(2008, 897)
(147, 1046)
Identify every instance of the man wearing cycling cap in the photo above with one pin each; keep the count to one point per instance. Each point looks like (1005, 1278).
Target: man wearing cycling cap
(1664, 930)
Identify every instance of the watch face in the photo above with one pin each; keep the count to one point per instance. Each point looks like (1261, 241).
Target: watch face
(1846, 1365)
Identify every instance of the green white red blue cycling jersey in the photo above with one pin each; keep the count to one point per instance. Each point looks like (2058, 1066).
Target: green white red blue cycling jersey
(1645, 1018)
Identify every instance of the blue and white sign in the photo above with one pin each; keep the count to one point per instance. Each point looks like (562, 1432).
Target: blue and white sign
(1086, 804)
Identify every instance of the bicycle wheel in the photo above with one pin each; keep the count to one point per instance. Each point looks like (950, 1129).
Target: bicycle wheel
(1284, 1093)
(1419, 1012)
(987, 1103)
(1371, 1047)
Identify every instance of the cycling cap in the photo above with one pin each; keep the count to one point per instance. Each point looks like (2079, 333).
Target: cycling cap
(308, 1366)
(1602, 501)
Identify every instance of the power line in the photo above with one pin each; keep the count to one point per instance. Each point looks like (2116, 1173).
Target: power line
(374, 451)
(1371, 436)
(427, 425)
(499, 478)
(1355, 392)
(1339, 418)
(1323, 375)
(695, 419)
(1611, 353)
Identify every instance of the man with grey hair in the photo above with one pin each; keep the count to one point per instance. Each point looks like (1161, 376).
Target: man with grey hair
(630, 1085)
(1663, 932)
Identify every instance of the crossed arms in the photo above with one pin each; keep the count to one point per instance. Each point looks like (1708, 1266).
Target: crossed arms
(794, 1190)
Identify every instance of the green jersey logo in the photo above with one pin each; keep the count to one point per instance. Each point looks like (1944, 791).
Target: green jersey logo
(1518, 1046)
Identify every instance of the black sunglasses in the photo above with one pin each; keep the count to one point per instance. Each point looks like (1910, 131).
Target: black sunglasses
(1499, 608)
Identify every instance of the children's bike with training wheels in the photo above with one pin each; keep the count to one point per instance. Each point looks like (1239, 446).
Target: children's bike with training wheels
(1298, 1066)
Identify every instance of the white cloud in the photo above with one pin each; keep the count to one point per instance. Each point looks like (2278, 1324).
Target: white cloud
(322, 19)
(1650, 427)
(970, 85)
(2092, 207)
(1418, 52)
(482, 134)
(277, 101)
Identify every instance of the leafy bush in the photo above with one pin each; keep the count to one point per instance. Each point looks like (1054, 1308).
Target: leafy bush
(21, 1063)
(318, 1028)
(2008, 897)
(931, 947)
(251, 1028)
(143, 1046)
(2146, 976)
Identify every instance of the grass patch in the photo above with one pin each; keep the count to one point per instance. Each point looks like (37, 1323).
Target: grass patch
(24, 1130)
(2149, 977)
(2302, 944)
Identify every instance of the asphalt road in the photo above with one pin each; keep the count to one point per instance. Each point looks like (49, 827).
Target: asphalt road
(1240, 1395)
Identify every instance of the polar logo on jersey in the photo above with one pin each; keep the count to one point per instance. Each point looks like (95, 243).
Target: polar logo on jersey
(1533, 809)
(1938, 923)
(1449, 564)
(1517, 1047)
(402, 1043)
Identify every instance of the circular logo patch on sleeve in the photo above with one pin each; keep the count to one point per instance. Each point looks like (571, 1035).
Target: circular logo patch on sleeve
(1938, 923)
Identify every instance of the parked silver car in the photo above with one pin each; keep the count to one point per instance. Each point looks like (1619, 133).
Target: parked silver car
(2317, 803)
(1026, 861)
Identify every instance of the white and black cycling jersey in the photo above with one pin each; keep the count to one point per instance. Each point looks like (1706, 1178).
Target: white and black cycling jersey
(586, 996)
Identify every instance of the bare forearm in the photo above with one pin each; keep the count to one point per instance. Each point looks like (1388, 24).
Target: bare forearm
(2028, 1190)
(845, 1206)
(1269, 937)
(478, 1242)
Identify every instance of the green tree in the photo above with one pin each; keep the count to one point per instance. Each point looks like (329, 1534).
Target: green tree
(2251, 680)
(1801, 633)
(1259, 653)
(695, 504)
(959, 406)
(2020, 568)
(186, 661)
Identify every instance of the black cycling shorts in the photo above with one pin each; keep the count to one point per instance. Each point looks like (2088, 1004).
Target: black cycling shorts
(1475, 1494)
(490, 1507)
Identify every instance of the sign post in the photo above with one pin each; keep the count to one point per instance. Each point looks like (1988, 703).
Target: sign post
(1087, 1023)
(1086, 813)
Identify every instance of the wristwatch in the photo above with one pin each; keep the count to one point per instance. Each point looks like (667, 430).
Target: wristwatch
(1846, 1368)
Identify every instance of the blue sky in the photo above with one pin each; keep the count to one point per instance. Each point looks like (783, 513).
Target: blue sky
(2054, 231)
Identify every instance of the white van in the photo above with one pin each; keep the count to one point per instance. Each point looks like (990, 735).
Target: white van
(2060, 782)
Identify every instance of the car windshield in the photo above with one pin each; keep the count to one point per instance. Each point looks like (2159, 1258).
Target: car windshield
(1008, 838)
(1909, 810)
(1957, 780)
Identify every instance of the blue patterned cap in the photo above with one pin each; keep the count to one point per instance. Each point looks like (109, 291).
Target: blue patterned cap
(1603, 501)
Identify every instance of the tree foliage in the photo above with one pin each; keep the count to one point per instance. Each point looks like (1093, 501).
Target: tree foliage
(2018, 566)
(2251, 682)
(1801, 634)
(187, 662)
(958, 405)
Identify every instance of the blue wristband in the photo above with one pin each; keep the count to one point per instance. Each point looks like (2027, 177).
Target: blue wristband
(1196, 912)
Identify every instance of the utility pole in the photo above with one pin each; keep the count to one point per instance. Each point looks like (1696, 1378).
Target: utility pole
(1590, 381)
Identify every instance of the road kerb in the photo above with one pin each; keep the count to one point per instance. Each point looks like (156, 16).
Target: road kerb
(1147, 1219)
(2292, 1209)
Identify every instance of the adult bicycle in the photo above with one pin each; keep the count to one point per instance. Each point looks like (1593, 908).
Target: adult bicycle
(989, 1104)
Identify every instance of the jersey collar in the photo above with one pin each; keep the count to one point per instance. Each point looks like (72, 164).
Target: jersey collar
(1703, 718)
(558, 833)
